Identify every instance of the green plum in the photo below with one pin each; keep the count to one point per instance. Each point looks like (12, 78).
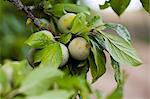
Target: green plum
(65, 22)
(65, 54)
(79, 48)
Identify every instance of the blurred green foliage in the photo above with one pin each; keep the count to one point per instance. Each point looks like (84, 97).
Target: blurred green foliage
(13, 32)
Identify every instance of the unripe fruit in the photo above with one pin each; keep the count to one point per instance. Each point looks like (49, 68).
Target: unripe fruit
(65, 22)
(65, 54)
(49, 34)
(79, 49)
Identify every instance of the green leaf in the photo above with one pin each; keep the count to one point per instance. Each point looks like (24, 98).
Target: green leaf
(93, 67)
(121, 50)
(96, 22)
(62, 8)
(84, 31)
(4, 83)
(105, 5)
(79, 23)
(16, 71)
(76, 8)
(76, 83)
(51, 55)
(38, 40)
(37, 56)
(98, 38)
(116, 68)
(55, 94)
(117, 93)
(146, 5)
(65, 38)
(84, 35)
(39, 80)
(8, 69)
(119, 6)
(58, 10)
(77, 68)
(120, 29)
(21, 69)
(97, 62)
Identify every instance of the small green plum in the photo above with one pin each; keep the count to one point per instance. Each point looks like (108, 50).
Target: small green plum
(79, 48)
(65, 54)
(65, 22)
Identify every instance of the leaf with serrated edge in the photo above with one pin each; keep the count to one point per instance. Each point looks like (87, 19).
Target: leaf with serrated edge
(120, 29)
(60, 9)
(121, 50)
(77, 83)
(117, 93)
(116, 67)
(55, 94)
(52, 55)
(65, 38)
(4, 82)
(38, 40)
(79, 23)
(100, 61)
(95, 22)
(39, 80)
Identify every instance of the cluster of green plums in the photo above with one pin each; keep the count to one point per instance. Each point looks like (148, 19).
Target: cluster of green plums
(77, 48)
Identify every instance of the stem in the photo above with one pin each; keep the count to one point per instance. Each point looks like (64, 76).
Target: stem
(25, 9)
(29, 14)
(99, 26)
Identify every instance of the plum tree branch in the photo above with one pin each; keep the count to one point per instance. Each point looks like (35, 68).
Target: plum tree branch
(29, 14)
(20, 6)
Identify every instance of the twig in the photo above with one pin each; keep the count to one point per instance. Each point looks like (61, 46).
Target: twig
(29, 14)
(20, 6)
